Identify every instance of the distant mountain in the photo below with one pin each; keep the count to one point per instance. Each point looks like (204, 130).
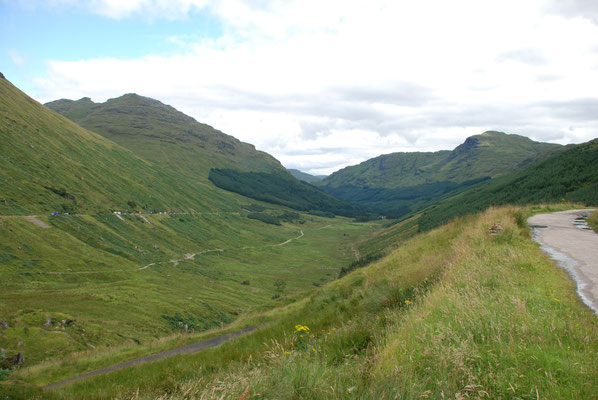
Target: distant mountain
(305, 177)
(570, 175)
(398, 183)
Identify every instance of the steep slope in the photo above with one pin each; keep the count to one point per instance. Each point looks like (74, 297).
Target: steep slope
(487, 155)
(193, 152)
(571, 175)
(161, 134)
(401, 182)
(48, 164)
(305, 177)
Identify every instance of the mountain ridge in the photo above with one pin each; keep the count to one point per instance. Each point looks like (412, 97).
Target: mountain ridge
(160, 133)
(427, 167)
(398, 183)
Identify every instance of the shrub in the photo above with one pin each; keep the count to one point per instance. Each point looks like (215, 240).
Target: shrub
(267, 218)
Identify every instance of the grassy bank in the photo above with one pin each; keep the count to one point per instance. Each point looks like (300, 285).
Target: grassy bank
(453, 313)
(593, 221)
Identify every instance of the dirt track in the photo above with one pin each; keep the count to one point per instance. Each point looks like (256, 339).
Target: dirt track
(189, 349)
(33, 219)
(573, 248)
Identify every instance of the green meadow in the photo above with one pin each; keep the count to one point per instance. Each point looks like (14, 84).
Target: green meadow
(91, 281)
(452, 313)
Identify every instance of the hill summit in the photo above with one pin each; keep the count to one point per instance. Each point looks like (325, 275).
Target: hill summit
(398, 183)
(159, 133)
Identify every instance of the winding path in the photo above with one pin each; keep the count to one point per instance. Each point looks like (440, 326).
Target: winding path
(562, 235)
(189, 349)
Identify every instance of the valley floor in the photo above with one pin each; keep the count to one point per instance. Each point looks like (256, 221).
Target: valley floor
(464, 311)
(75, 285)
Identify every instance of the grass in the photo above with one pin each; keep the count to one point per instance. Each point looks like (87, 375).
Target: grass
(593, 221)
(151, 158)
(86, 269)
(489, 154)
(453, 313)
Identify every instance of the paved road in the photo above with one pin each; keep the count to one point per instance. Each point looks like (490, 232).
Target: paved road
(189, 349)
(574, 248)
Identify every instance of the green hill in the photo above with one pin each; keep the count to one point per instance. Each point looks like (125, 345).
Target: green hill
(398, 183)
(161, 134)
(570, 175)
(194, 152)
(95, 279)
(48, 163)
(305, 177)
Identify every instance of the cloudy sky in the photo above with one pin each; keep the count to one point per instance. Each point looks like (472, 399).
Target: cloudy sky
(322, 84)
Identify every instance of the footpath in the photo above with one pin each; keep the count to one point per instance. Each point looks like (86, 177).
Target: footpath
(189, 349)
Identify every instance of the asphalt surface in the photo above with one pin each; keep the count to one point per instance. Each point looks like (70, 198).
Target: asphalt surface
(563, 236)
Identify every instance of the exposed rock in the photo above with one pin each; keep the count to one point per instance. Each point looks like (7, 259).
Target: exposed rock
(90, 345)
(2, 76)
(224, 145)
(49, 322)
(495, 228)
(17, 360)
(4, 325)
(19, 344)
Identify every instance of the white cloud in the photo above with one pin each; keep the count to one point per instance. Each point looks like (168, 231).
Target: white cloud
(17, 59)
(357, 78)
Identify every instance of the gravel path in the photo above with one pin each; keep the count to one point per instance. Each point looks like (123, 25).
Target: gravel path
(189, 349)
(562, 235)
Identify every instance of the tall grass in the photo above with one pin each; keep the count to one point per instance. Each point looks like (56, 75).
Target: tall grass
(454, 313)
(593, 221)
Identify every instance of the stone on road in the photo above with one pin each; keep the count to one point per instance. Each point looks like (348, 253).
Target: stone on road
(575, 249)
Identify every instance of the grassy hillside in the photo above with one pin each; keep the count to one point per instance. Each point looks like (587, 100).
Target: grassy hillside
(453, 313)
(570, 175)
(159, 133)
(487, 155)
(94, 279)
(48, 164)
(398, 183)
(193, 152)
(134, 279)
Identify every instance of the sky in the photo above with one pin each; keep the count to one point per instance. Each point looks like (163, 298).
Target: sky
(322, 84)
